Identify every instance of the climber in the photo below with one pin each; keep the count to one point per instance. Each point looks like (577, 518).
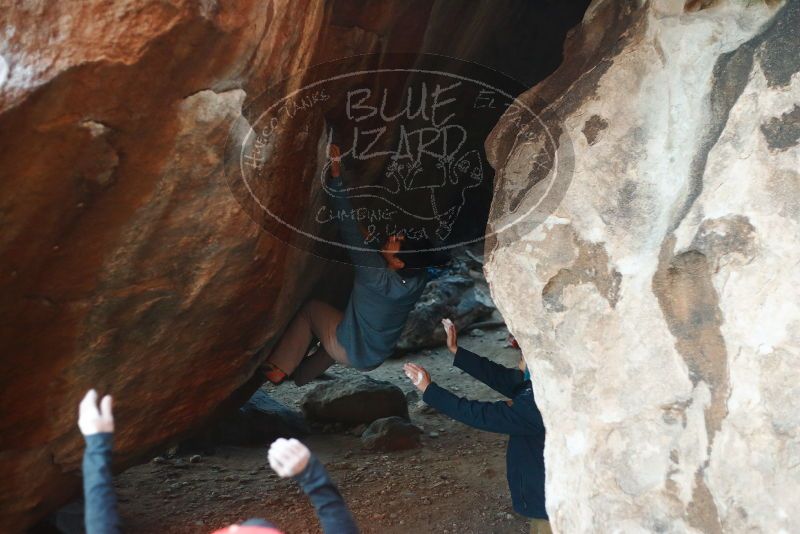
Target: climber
(388, 282)
(288, 458)
(518, 417)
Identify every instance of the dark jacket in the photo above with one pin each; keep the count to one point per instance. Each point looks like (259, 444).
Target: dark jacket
(100, 508)
(381, 299)
(334, 517)
(521, 420)
(101, 502)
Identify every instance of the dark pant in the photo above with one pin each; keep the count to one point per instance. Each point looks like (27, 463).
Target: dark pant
(312, 367)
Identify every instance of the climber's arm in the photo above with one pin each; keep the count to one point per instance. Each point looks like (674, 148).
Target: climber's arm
(361, 253)
(348, 226)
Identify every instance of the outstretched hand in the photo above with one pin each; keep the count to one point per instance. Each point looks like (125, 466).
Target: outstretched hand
(452, 336)
(92, 420)
(288, 457)
(418, 376)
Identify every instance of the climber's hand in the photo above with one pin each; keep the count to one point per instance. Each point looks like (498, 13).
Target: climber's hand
(418, 376)
(94, 421)
(336, 157)
(288, 457)
(452, 336)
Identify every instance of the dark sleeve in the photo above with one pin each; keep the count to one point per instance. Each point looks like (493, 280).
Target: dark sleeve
(499, 378)
(331, 509)
(491, 416)
(98, 492)
(351, 235)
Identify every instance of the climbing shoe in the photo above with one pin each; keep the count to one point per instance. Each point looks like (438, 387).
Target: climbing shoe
(273, 373)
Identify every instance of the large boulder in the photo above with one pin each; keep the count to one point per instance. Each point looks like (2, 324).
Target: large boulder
(455, 295)
(127, 262)
(658, 305)
(354, 400)
(391, 434)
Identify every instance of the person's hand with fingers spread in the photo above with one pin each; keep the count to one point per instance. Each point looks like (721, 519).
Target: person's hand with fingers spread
(418, 376)
(452, 337)
(288, 457)
(92, 420)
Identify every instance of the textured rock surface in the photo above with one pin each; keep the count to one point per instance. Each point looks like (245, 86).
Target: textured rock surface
(658, 305)
(354, 401)
(391, 434)
(453, 295)
(126, 262)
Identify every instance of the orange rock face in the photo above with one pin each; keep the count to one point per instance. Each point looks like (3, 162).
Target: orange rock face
(126, 263)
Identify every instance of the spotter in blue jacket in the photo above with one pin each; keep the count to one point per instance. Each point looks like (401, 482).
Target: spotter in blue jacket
(520, 419)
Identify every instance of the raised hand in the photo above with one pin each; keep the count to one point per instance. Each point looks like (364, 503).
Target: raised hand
(418, 376)
(288, 457)
(92, 420)
(452, 336)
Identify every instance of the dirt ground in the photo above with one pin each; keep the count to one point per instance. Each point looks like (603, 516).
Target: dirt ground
(454, 483)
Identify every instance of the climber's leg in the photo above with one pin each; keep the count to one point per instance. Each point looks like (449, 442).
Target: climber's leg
(315, 318)
(312, 366)
(325, 320)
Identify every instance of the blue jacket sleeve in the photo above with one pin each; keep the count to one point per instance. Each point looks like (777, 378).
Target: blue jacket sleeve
(98, 492)
(331, 509)
(351, 233)
(499, 378)
(491, 416)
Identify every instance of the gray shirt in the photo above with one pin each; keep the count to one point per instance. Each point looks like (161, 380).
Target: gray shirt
(381, 299)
